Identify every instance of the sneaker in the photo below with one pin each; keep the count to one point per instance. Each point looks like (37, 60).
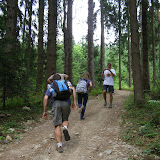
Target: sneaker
(82, 118)
(110, 106)
(66, 135)
(59, 149)
(105, 103)
(80, 109)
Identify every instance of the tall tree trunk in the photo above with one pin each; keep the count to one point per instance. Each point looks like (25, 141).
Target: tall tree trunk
(136, 67)
(129, 55)
(10, 49)
(141, 53)
(145, 58)
(102, 37)
(40, 47)
(28, 54)
(65, 38)
(51, 44)
(158, 37)
(24, 25)
(129, 48)
(69, 36)
(90, 41)
(153, 45)
(119, 26)
(11, 24)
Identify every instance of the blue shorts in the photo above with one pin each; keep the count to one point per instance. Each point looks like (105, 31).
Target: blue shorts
(110, 88)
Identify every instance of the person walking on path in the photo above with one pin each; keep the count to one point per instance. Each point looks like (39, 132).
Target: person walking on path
(63, 77)
(108, 74)
(61, 110)
(83, 96)
(51, 78)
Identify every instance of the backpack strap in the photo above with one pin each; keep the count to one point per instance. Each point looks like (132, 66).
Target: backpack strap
(61, 85)
(64, 85)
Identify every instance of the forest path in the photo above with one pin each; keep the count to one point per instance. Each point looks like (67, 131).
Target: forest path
(95, 138)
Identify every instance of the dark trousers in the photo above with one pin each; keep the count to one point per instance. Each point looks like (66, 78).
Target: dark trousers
(82, 98)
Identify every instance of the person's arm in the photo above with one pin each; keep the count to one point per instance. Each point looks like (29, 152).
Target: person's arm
(90, 86)
(50, 79)
(74, 104)
(66, 77)
(102, 74)
(112, 73)
(45, 100)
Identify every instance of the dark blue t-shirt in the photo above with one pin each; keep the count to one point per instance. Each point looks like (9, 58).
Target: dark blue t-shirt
(49, 94)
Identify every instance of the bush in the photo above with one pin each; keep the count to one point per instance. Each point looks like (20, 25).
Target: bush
(143, 124)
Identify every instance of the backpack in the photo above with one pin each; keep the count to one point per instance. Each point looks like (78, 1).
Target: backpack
(81, 86)
(62, 89)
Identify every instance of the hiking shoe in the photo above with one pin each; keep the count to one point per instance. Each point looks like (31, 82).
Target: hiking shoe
(105, 103)
(80, 109)
(59, 149)
(110, 106)
(66, 135)
(82, 118)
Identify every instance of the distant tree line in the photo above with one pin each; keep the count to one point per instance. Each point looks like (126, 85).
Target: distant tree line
(25, 65)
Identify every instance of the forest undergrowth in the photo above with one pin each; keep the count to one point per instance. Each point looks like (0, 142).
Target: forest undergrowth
(141, 123)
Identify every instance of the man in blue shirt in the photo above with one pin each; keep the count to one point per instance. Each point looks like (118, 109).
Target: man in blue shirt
(61, 110)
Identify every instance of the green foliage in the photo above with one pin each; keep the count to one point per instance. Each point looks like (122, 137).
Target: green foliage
(79, 62)
(142, 125)
(96, 91)
(60, 58)
(155, 91)
(18, 115)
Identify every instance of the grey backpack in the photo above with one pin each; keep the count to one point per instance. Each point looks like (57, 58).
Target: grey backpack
(81, 86)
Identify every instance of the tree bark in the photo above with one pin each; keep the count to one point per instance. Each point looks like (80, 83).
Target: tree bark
(9, 72)
(158, 37)
(51, 44)
(11, 24)
(69, 36)
(28, 54)
(24, 25)
(145, 58)
(129, 55)
(153, 44)
(129, 48)
(119, 26)
(40, 47)
(90, 41)
(136, 67)
(65, 38)
(102, 37)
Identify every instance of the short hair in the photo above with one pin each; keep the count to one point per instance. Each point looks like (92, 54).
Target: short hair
(109, 63)
(56, 77)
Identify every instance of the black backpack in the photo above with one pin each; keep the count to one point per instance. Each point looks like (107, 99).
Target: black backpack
(62, 89)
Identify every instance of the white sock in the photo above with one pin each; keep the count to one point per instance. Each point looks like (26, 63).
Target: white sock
(65, 127)
(59, 144)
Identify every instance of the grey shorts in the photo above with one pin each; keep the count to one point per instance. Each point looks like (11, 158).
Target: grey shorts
(61, 111)
(110, 88)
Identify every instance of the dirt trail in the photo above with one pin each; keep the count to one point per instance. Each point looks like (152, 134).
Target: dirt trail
(95, 138)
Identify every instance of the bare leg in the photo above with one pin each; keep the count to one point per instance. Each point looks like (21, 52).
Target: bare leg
(65, 131)
(105, 98)
(65, 123)
(111, 97)
(104, 95)
(58, 133)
